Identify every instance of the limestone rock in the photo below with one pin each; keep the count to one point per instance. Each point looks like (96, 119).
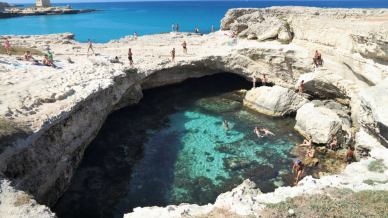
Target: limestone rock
(318, 122)
(274, 101)
(373, 114)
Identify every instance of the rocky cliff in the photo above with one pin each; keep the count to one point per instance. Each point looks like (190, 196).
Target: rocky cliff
(48, 116)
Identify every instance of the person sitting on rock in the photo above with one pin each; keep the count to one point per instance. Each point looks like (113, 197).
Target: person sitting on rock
(310, 153)
(349, 155)
(298, 168)
(333, 142)
(267, 132)
(184, 46)
(46, 61)
(301, 87)
(307, 142)
(28, 56)
(317, 59)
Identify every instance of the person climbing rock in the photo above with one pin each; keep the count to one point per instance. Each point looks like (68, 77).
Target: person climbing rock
(298, 168)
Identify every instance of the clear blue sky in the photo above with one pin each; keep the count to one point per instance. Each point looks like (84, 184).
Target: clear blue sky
(74, 1)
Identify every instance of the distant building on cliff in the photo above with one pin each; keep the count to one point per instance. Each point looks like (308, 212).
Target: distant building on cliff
(42, 3)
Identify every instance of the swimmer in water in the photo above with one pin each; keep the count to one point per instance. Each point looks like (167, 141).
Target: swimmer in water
(257, 132)
(267, 132)
(226, 125)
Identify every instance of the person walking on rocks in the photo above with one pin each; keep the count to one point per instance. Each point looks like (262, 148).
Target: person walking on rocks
(90, 47)
(184, 46)
(173, 55)
(7, 46)
(130, 57)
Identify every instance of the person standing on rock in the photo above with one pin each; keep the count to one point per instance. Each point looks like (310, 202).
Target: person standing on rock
(173, 55)
(264, 79)
(298, 168)
(184, 46)
(349, 155)
(253, 82)
(7, 46)
(90, 47)
(130, 57)
(301, 87)
(212, 29)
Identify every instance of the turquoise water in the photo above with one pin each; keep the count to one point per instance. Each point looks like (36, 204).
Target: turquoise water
(172, 148)
(115, 20)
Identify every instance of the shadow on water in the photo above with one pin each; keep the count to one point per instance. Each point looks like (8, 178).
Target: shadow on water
(103, 177)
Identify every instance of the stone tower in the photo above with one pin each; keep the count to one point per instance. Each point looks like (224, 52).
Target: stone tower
(42, 3)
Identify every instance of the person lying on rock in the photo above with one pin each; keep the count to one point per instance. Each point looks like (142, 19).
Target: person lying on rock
(298, 168)
(317, 59)
(333, 142)
(349, 155)
(307, 142)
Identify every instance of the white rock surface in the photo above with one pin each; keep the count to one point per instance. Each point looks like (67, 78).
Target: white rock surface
(61, 110)
(318, 122)
(274, 101)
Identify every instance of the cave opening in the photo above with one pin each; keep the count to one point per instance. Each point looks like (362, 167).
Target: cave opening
(172, 148)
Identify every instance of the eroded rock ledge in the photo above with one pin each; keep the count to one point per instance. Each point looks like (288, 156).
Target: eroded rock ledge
(51, 115)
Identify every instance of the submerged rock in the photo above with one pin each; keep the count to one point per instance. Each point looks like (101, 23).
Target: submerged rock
(274, 101)
(237, 163)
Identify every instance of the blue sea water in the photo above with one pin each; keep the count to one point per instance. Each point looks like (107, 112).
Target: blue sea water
(115, 20)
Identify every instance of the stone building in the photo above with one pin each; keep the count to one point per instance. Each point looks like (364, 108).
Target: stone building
(42, 3)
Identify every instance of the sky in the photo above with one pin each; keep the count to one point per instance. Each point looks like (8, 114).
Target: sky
(74, 1)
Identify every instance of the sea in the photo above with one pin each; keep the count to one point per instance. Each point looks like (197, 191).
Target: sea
(115, 20)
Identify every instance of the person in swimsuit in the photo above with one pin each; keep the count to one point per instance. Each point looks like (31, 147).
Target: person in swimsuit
(298, 168)
(333, 142)
(256, 130)
(264, 79)
(310, 153)
(184, 46)
(7, 46)
(90, 47)
(212, 29)
(307, 142)
(267, 132)
(301, 87)
(253, 82)
(130, 57)
(173, 55)
(46, 61)
(28, 56)
(226, 125)
(317, 59)
(349, 155)
(135, 35)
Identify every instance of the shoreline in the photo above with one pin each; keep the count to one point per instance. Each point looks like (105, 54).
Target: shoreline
(92, 87)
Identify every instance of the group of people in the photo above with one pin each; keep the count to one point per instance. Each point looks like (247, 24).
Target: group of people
(298, 165)
(48, 59)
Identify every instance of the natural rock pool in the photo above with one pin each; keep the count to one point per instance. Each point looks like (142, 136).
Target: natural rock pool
(172, 148)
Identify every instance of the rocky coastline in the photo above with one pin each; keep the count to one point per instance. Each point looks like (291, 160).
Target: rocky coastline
(10, 12)
(48, 116)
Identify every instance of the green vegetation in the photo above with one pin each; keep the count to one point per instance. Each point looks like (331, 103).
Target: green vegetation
(21, 50)
(334, 203)
(377, 166)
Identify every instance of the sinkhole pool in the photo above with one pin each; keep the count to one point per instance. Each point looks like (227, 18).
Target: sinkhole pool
(172, 148)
